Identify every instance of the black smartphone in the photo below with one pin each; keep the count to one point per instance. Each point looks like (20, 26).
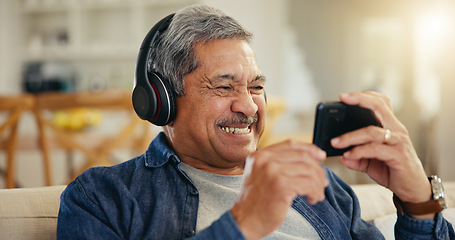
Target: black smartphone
(336, 118)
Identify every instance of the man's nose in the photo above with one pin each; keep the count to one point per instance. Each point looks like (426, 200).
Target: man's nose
(244, 103)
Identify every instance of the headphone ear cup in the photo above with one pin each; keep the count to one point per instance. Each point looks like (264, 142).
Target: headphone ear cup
(165, 100)
(144, 98)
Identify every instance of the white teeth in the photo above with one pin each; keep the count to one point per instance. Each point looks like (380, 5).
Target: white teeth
(236, 130)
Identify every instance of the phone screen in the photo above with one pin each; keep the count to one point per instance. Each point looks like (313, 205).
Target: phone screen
(334, 119)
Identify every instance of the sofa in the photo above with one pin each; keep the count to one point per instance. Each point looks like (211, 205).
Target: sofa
(31, 213)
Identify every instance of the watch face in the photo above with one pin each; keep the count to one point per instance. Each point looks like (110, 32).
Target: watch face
(438, 191)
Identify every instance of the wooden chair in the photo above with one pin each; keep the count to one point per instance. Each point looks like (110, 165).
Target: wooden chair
(97, 148)
(275, 108)
(12, 107)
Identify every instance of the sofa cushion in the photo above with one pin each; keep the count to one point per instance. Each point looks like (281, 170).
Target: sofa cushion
(29, 213)
(377, 206)
(375, 201)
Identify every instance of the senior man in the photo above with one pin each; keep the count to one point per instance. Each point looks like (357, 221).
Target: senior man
(204, 177)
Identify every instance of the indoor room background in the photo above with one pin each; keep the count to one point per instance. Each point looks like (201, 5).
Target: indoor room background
(309, 50)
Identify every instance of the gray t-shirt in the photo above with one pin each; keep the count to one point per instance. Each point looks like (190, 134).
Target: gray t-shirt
(218, 193)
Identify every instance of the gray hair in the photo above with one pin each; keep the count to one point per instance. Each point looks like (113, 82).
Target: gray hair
(173, 55)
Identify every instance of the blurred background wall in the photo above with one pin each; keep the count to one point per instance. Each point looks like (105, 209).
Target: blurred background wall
(310, 51)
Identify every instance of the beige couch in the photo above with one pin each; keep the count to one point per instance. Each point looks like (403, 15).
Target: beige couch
(31, 213)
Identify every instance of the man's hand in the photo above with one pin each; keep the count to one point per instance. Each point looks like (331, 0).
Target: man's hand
(387, 157)
(274, 176)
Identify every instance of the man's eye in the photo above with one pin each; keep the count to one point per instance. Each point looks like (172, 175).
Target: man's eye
(224, 87)
(257, 88)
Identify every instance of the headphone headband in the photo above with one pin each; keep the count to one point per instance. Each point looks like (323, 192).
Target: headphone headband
(157, 29)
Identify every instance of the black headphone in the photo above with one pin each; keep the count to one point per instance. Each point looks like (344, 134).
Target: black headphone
(153, 94)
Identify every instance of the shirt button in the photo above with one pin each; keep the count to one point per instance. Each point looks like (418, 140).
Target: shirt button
(190, 233)
(194, 191)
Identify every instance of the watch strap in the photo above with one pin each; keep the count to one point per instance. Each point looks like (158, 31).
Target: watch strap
(431, 206)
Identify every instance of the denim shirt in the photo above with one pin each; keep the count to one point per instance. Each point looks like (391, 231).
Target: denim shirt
(149, 197)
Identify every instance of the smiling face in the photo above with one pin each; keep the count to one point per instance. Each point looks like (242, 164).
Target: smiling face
(221, 116)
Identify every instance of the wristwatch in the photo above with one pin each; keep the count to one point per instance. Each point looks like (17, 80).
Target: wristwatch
(435, 205)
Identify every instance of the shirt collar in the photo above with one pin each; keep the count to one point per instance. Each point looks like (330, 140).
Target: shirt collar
(159, 152)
